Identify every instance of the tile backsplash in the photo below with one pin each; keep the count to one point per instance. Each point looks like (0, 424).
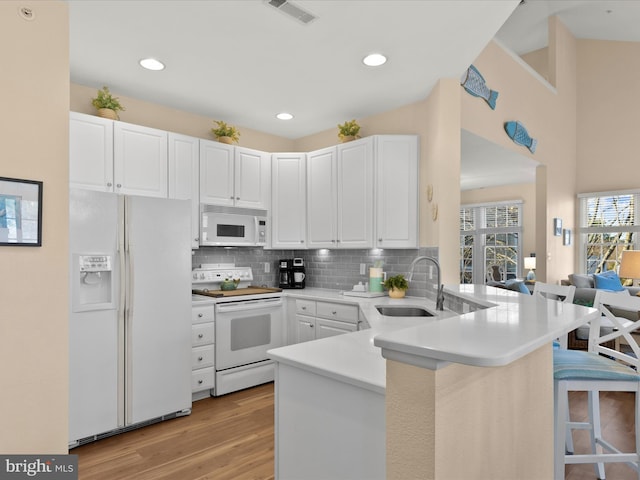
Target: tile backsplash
(333, 269)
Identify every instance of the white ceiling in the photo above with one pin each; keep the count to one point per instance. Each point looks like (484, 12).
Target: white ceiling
(242, 61)
(526, 30)
(485, 164)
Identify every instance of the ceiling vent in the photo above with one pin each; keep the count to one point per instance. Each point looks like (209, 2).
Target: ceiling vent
(293, 11)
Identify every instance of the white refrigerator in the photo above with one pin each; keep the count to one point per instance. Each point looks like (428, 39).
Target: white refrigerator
(129, 313)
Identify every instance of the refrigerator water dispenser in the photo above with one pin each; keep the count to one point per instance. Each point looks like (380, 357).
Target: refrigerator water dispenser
(94, 278)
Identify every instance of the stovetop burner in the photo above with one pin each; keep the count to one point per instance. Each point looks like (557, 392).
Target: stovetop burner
(206, 281)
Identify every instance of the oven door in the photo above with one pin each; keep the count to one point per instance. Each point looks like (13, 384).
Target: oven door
(245, 330)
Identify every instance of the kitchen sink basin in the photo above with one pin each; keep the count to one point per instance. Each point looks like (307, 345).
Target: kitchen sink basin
(397, 311)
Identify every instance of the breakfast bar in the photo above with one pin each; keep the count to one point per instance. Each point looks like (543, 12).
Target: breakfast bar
(453, 395)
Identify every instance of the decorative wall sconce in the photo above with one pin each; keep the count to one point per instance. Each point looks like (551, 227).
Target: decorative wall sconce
(566, 236)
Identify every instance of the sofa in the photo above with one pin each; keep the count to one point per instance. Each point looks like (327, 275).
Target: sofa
(586, 288)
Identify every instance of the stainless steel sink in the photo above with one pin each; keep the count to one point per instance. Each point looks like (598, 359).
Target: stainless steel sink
(397, 311)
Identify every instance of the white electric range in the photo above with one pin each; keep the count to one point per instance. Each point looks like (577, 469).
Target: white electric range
(248, 321)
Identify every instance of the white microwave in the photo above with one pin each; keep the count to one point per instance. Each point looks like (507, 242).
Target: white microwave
(231, 226)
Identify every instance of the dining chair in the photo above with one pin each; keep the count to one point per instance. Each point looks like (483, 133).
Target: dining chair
(563, 293)
(601, 368)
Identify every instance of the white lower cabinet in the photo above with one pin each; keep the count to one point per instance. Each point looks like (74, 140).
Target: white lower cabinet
(203, 372)
(326, 428)
(316, 319)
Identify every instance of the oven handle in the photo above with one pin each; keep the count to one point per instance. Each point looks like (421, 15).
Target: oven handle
(248, 305)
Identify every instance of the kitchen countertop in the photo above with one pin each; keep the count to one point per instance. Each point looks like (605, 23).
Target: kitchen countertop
(511, 326)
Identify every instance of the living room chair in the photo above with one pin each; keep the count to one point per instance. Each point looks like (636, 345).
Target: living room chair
(563, 293)
(599, 369)
(495, 273)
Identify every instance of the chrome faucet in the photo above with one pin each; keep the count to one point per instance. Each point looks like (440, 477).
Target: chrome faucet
(440, 294)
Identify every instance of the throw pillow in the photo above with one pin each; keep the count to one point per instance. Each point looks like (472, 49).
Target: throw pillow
(581, 281)
(517, 286)
(608, 280)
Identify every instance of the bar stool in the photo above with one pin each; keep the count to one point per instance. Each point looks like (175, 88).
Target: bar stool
(563, 293)
(598, 369)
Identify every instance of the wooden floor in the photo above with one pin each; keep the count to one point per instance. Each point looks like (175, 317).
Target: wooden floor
(228, 437)
(617, 426)
(231, 437)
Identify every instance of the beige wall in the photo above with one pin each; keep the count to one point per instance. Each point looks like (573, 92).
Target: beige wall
(549, 116)
(607, 113)
(158, 116)
(33, 311)
(522, 191)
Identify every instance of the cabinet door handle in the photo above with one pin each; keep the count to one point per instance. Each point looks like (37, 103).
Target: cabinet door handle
(311, 325)
(109, 184)
(199, 359)
(118, 185)
(231, 197)
(301, 241)
(199, 382)
(237, 198)
(379, 239)
(200, 315)
(200, 335)
(304, 308)
(334, 312)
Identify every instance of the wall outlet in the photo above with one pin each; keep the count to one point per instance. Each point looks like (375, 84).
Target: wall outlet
(267, 267)
(363, 269)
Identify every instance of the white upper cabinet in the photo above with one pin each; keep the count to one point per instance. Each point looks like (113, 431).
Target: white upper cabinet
(139, 160)
(233, 176)
(118, 157)
(355, 194)
(252, 178)
(184, 177)
(396, 191)
(90, 152)
(288, 200)
(321, 198)
(340, 196)
(216, 173)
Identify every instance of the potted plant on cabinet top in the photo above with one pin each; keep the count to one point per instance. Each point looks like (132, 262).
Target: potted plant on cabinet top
(397, 286)
(348, 131)
(225, 133)
(107, 105)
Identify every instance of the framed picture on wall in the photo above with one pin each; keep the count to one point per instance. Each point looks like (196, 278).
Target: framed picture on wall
(557, 227)
(20, 212)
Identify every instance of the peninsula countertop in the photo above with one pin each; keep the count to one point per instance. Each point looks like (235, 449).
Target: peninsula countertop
(511, 326)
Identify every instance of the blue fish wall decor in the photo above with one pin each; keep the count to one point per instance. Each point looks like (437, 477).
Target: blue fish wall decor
(519, 134)
(474, 83)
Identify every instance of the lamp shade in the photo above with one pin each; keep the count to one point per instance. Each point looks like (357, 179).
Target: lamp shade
(530, 263)
(630, 264)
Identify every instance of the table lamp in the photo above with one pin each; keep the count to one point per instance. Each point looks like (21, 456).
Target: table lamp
(630, 265)
(530, 264)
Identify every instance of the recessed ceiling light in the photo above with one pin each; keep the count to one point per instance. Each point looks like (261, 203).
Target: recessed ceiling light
(284, 116)
(152, 64)
(374, 60)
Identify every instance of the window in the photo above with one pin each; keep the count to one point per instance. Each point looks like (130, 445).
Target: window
(608, 225)
(490, 236)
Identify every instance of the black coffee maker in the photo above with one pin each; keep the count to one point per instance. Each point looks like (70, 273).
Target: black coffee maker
(285, 275)
(299, 273)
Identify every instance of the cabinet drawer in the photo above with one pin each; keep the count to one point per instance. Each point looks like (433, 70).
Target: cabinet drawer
(203, 379)
(337, 311)
(202, 356)
(202, 314)
(306, 307)
(202, 334)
